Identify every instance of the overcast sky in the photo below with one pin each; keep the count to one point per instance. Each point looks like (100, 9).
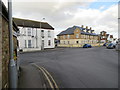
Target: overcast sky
(62, 14)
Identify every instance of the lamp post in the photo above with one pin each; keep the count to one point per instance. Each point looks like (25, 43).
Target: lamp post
(12, 65)
(42, 43)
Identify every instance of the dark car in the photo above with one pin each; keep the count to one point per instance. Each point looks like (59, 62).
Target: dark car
(87, 46)
(111, 46)
(104, 44)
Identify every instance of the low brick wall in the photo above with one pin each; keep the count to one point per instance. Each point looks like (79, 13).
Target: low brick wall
(77, 45)
(5, 53)
(5, 56)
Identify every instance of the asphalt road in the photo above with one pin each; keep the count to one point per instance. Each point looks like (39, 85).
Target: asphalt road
(73, 67)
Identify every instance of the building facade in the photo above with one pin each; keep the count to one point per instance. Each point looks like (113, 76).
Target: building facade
(78, 36)
(103, 36)
(34, 35)
(106, 38)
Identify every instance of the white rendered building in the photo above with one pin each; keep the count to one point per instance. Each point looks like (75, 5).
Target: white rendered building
(34, 35)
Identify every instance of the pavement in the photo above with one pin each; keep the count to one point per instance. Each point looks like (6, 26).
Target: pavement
(95, 67)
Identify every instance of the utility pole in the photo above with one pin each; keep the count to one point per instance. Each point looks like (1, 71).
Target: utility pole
(12, 65)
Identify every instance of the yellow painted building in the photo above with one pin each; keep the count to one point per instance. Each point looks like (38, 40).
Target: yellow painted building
(78, 36)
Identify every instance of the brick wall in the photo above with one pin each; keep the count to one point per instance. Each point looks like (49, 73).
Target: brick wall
(5, 53)
(4, 45)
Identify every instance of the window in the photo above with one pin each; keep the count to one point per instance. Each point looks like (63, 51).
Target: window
(68, 42)
(49, 34)
(68, 36)
(29, 43)
(102, 33)
(77, 35)
(64, 36)
(77, 30)
(24, 31)
(25, 43)
(104, 37)
(77, 42)
(29, 32)
(49, 42)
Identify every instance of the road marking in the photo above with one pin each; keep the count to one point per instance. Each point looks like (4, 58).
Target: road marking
(45, 76)
(46, 73)
(56, 86)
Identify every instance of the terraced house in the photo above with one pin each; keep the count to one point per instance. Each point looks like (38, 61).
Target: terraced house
(78, 36)
(34, 35)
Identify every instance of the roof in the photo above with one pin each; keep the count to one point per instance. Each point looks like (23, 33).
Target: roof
(71, 31)
(111, 36)
(103, 31)
(4, 13)
(32, 23)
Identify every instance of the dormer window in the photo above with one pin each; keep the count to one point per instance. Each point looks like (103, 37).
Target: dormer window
(77, 35)
(77, 30)
(68, 36)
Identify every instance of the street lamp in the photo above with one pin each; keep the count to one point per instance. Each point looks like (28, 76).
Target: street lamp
(42, 43)
(12, 65)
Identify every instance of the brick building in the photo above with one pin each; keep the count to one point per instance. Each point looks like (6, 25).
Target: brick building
(103, 36)
(78, 36)
(4, 45)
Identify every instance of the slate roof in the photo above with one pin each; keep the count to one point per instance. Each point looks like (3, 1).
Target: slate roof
(32, 23)
(103, 31)
(70, 31)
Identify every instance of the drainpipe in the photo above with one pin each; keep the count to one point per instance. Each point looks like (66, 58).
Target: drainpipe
(12, 66)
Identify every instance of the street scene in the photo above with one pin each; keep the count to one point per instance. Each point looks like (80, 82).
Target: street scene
(55, 44)
(72, 67)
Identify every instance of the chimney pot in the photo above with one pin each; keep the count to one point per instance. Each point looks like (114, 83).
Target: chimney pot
(82, 26)
(86, 27)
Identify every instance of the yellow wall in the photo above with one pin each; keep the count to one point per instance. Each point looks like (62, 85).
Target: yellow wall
(72, 40)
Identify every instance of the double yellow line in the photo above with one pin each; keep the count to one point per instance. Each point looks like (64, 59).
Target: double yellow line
(49, 78)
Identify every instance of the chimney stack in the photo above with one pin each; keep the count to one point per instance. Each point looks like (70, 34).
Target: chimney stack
(86, 27)
(90, 28)
(82, 26)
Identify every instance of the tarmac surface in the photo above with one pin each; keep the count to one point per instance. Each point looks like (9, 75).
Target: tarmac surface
(95, 67)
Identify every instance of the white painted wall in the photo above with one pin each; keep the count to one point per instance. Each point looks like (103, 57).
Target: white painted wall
(35, 38)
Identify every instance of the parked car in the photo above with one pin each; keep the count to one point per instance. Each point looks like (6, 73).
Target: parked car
(104, 44)
(111, 46)
(87, 46)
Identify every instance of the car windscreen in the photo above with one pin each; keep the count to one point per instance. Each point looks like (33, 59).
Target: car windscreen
(110, 44)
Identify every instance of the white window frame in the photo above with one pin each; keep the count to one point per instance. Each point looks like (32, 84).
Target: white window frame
(68, 36)
(29, 44)
(49, 34)
(29, 31)
(77, 35)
